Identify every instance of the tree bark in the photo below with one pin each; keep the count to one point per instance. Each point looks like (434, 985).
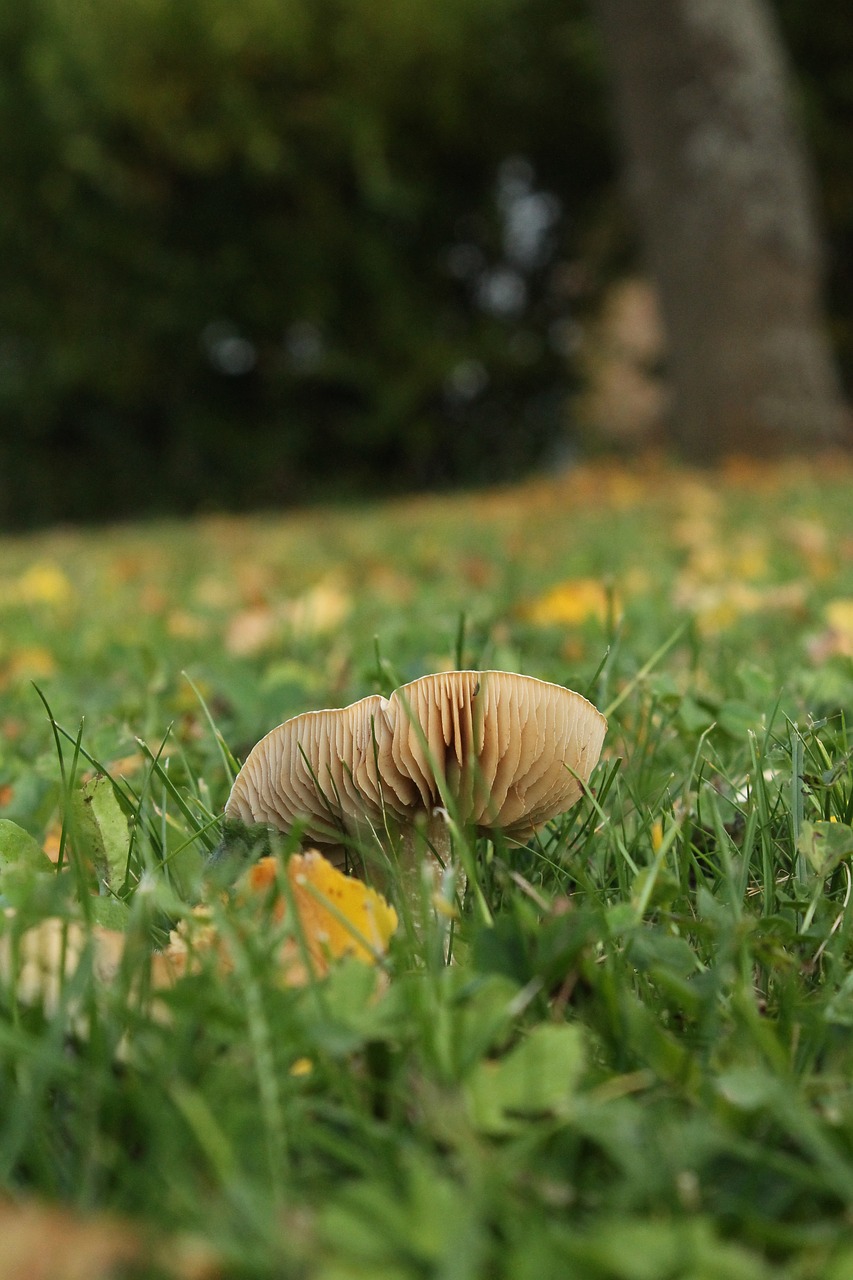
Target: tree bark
(717, 170)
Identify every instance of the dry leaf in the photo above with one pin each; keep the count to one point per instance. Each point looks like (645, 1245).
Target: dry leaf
(338, 916)
(839, 616)
(836, 640)
(250, 631)
(47, 1242)
(717, 606)
(319, 610)
(569, 603)
(32, 662)
(41, 1241)
(182, 625)
(43, 583)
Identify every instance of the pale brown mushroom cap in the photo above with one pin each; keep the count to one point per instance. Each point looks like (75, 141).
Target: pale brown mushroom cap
(317, 769)
(507, 751)
(502, 751)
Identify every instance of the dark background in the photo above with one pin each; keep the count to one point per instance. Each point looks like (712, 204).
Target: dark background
(259, 254)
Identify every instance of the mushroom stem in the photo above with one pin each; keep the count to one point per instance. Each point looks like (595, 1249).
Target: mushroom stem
(423, 844)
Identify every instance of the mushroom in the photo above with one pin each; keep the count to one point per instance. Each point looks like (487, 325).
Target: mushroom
(318, 770)
(499, 751)
(504, 751)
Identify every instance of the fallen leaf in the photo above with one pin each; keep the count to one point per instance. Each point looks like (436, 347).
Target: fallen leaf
(40, 1241)
(839, 615)
(250, 631)
(53, 840)
(810, 538)
(319, 610)
(836, 639)
(127, 766)
(338, 916)
(47, 1242)
(182, 625)
(569, 603)
(31, 662)
(43, 583)
(716, 606)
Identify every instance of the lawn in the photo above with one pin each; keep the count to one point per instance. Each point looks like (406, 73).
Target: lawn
(624, 1051)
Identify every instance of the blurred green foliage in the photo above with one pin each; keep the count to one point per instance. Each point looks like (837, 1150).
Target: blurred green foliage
(249, 251)
(256, 253)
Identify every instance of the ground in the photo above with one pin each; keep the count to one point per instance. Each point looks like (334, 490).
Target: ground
(637, 1062)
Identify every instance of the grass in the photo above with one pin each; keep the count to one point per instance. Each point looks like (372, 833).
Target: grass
(639, 1065)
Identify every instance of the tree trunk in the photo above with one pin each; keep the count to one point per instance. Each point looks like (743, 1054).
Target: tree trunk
(723, 196)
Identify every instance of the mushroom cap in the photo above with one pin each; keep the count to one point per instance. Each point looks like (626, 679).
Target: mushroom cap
(506, 751)
(317, 769)
(502, 750)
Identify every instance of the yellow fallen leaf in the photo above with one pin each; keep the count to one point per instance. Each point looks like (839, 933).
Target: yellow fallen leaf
(839, 615)
(182, 625)
(569, 603)
(53, 840)
(811, 539)
(338, 915)
(32, 662)
(126, 766)
(250, 631)
(319, 610)
(836, 640)
(43, 583)
(717, 606)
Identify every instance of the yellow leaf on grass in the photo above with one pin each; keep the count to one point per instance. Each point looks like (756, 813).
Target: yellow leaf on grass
(718, 606)
(338, 915)
(839, 615)
(182, 625)
(569, 603)
(836, 640)
(32, 662)
(250, 631)
(43, 583)
(320, 609)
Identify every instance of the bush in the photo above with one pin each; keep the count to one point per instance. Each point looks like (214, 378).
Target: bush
(255, 251)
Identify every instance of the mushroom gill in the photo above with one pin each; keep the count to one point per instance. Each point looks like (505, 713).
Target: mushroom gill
(500, 750)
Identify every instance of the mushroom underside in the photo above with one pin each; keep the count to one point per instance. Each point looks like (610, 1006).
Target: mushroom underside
(497, 750)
